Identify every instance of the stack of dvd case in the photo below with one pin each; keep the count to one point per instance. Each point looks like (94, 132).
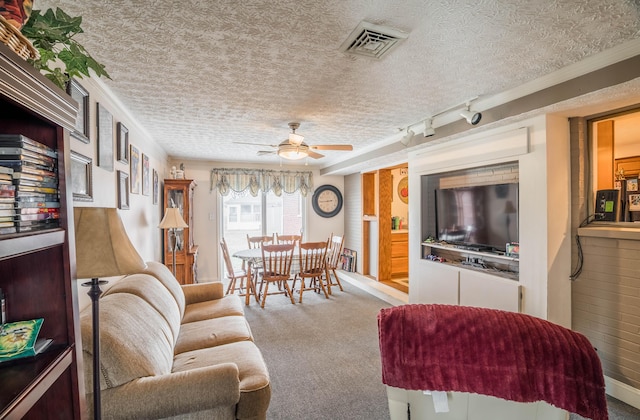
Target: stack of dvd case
(35, 182)
(7, 201)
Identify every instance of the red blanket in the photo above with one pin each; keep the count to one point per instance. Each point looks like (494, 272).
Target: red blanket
(485, 351)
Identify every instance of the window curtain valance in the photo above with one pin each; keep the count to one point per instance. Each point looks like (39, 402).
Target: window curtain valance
(227, 180)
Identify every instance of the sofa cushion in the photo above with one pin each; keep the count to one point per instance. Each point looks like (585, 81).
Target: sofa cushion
(135, 340)
(212, 332)
(151, 290)
(165, 276)
(230, 305)
(255, 390)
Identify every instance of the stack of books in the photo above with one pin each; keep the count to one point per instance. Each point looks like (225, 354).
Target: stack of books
(34, 173)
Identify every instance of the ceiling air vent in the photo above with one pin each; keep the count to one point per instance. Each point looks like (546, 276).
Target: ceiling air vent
(372, 40)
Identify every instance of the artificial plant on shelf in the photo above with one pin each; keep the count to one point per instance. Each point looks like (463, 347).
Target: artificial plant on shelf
(52, 34)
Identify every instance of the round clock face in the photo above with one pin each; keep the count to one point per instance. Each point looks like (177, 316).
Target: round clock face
(327, 201)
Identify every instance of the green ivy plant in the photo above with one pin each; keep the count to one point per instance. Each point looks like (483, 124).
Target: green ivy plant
(52, 35)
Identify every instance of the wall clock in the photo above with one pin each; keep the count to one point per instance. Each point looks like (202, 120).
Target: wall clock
(327, 201)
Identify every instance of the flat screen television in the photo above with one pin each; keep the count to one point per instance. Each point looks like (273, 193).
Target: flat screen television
(483, 217)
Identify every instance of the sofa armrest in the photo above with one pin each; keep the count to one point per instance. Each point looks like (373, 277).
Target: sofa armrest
(202, 292)
(173, 394)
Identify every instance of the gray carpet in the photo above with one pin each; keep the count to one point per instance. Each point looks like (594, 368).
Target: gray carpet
(322, 355)
(324, 361)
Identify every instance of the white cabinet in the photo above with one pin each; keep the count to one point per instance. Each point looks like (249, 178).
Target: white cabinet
(449, 284)
(487, 291)
(435, 283)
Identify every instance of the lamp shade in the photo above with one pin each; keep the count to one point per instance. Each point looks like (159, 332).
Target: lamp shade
(103, 248)
(172, 219)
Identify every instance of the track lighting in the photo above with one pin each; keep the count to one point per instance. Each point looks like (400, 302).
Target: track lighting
(472, 117)
(428, 128)
(407, 137)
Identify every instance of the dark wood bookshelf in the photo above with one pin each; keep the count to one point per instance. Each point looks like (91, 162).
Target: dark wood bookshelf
(38, 268)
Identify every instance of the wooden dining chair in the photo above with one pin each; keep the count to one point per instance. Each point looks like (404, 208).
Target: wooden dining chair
(236, 277)
(276, 268)
(257, 241)
(334, 254)
(313, 259)
(288, 239)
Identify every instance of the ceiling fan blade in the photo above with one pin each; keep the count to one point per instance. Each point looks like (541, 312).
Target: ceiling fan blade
(332, 147)
(314, 155)
(255, 144)
(265, 152)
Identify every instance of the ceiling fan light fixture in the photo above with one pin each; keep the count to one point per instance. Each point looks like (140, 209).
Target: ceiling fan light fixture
(293, 152)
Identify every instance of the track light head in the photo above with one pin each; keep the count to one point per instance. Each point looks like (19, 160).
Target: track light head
(428, 128)
(472, 117)
(407, 137)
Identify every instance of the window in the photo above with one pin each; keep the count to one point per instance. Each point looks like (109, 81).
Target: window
(266, 214)
(616, 162)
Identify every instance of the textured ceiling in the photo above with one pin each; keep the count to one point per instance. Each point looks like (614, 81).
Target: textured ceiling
(201, 75)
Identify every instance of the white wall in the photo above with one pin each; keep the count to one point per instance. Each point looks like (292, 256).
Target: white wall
(206, 232)
(142, 218)
(544, 228)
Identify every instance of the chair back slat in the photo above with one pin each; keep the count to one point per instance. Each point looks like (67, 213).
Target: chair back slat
(258, 241)
(313, 257)
(276, 261)
(288, 239)
(335, 251)
(227, 258)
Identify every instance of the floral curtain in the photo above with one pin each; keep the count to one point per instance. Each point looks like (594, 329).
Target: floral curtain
(227, 180)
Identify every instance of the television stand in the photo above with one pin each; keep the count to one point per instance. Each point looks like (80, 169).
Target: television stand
(472, 258)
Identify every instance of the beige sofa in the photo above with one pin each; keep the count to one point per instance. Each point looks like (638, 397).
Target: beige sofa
(172, 351)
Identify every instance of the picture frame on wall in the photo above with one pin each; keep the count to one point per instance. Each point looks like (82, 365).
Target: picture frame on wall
(634, 202)
(156, 187)
(146, 184)
(123, 190)
(81, 96)
(105, 138)
(632, 184)
(81, 177)
(123, 143)
(134, 169)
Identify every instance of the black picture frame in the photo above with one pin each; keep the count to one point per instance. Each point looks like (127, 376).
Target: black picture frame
(81, 177)
(123, 190)
(105, 138)
(123, 143)
(80, 95)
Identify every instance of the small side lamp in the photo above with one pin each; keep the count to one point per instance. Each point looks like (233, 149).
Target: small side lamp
(173, 220)
(103, 249)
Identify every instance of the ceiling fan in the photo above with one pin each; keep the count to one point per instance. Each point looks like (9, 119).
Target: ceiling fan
(294, 147)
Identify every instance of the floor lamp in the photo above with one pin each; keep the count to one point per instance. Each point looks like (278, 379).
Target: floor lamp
(103, 249)
(173, 220)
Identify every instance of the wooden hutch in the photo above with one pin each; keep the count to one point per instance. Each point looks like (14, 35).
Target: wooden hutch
(37, 269)
(179, 193)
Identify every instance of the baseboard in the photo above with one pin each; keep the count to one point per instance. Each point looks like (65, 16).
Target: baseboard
(622, 392)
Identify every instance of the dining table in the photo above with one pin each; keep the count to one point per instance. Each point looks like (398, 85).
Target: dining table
(253, 257)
